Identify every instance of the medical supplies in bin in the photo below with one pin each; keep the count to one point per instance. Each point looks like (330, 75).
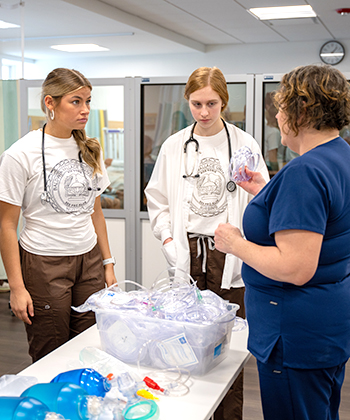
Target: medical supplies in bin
(173, 324)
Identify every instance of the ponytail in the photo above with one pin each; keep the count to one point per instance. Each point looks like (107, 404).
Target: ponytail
(90, 150)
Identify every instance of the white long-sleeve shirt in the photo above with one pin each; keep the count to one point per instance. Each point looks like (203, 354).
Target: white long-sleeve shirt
(169, 196)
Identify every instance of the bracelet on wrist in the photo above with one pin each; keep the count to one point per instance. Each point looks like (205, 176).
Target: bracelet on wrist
(109, 261)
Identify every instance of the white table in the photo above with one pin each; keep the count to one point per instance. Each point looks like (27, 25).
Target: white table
(205, 393)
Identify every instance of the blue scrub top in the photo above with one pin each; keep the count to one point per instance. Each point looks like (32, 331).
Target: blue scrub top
(312, 192)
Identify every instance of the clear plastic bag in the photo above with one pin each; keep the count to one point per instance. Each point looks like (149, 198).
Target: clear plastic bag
(14, 385)
(242, 158)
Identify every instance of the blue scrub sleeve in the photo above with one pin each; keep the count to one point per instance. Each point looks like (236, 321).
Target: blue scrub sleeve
(299, 201)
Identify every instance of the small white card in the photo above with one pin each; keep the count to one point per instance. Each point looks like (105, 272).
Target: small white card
(177, 352)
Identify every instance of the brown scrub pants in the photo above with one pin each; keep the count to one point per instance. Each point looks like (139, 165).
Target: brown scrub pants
(55, 283)
(231, 407)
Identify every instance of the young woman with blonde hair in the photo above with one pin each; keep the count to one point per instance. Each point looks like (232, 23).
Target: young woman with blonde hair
(55, 175)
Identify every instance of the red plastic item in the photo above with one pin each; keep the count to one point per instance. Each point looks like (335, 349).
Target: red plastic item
(151, 384)
(110, 376)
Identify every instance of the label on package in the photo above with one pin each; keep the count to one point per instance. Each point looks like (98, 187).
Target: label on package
(219, 347)
(176, 351)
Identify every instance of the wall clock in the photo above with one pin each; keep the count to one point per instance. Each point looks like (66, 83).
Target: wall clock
(332, 52)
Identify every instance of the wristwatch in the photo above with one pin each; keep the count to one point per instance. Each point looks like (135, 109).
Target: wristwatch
(109, 261)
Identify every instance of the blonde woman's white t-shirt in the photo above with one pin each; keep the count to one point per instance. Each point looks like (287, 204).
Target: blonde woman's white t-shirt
(63, 225)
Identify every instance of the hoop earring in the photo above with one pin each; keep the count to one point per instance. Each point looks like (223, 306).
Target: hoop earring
(52, 115)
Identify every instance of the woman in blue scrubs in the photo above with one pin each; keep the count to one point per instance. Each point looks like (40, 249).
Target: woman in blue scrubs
(296, 252)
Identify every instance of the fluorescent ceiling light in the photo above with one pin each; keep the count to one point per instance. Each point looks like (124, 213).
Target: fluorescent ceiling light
(6, 25)
(282, 12)
(79, 48)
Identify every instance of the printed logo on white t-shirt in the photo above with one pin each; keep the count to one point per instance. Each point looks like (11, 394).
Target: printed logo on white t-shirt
(208, 198)
(70, 187)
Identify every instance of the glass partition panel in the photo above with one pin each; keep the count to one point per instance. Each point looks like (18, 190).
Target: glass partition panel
(266, 130)
(106, 123)
(9, 113)
(164, 111)
(275, 154)
(36, 117)
(345, 131)
(235, 111)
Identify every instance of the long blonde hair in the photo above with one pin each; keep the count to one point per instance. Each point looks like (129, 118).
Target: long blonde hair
(61, 82)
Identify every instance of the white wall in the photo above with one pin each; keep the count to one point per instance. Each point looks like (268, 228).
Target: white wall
(111, 99)
(231, 59)
(116, 237)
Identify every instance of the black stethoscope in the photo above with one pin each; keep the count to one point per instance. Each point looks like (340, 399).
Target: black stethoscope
(231, 185)
(44, 196)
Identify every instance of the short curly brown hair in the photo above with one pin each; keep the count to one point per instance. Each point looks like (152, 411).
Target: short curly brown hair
(314, 96)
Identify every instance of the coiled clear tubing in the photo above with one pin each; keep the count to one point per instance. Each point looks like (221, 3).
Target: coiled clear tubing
(145, 326)
(241, 159)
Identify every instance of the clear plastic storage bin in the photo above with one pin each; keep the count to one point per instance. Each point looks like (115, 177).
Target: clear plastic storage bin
(135, 338)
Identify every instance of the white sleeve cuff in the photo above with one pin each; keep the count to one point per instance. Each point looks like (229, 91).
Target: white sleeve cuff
(165, 234)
